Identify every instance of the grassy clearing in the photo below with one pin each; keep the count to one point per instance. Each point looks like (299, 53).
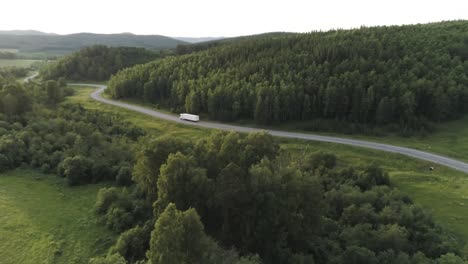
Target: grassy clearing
(17, 63)
(444, 191)
(48, 222)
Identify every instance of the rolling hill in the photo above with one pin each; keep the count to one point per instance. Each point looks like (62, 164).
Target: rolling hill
(26, 33)
(56, 45)
(348, 80)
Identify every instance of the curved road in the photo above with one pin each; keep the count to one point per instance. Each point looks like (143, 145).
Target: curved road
(29, 78)
(452, 163)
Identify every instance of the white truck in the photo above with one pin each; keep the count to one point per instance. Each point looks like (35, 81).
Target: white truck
(189, 117)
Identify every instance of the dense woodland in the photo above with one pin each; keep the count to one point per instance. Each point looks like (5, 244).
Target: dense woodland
(10, 74)
(39, 131)
(230, 194)
(400, 76)
(98, 63)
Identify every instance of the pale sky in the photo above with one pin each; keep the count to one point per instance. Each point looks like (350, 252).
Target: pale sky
(203, 18)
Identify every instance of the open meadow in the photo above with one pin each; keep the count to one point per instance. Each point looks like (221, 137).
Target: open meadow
(16, 63)
(47, 222)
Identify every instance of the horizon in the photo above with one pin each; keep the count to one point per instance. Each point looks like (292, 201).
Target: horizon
(219, 37)
(209, 18)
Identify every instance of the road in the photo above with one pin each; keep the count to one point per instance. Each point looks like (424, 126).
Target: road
(449, 162)
(27, 79)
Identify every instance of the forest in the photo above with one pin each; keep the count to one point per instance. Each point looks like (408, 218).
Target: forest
(36, 130)
(10, 74)
(226, 198)
(98, 62)
(402, 77)
(230, 194)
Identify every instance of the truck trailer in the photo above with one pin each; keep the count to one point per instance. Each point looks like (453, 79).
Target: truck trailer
(189, 117)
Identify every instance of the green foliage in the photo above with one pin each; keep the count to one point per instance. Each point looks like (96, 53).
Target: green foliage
(450, 258)
(14, 99)
(83, 146)
(54, 91)
(178, 237)
(120, 210)
(406, 76)
(182, 183)
(77, 170)
(150, 157)
(97, 62)
(319, 213)
(124, 176)
(110, 259)
(133, 243)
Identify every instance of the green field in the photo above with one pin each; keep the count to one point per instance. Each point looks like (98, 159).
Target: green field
(16, 63)
(444, 191)
(44, 221)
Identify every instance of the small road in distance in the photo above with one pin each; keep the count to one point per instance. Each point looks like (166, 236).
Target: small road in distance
(29, 78)
(449, 162)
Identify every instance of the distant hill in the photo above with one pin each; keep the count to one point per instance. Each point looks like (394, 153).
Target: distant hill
(198, 40)
(25, 33)
(58, 45)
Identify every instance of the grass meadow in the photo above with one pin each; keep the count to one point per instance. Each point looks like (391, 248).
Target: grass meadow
(44, 221)
(16, 63)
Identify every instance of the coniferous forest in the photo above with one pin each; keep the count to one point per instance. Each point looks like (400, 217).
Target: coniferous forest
(98, 62)
(401, 76)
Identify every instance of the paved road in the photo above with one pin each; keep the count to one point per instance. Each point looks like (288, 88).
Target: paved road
(27, 79)
(452, 163)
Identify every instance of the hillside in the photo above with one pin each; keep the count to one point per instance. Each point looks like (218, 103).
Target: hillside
(404, 77)
(98, 62)
(25, 33)
(64, 44)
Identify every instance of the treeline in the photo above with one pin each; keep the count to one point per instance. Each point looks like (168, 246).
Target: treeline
(98, 63)
(406, 76)
(10, 74)
(232, 195)
(38, 131)
(7, 55)
(182, 49)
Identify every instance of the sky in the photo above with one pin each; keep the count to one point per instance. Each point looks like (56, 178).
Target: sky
(210, 18)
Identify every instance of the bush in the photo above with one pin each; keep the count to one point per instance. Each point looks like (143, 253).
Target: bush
(124, 176)
(77, 170)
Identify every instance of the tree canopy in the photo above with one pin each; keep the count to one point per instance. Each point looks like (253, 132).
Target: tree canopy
(400, 75)
(97, 62)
